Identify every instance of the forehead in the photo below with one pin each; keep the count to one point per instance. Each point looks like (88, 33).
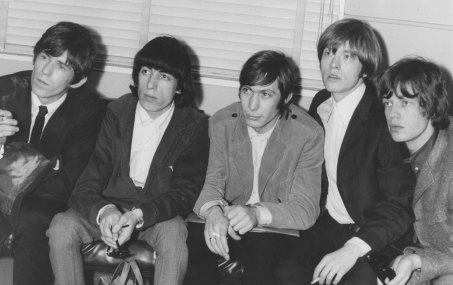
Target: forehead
(269, 87)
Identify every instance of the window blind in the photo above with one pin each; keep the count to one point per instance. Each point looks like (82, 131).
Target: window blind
(221, 34)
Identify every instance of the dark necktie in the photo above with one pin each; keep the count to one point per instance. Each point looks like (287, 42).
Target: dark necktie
(37, 128)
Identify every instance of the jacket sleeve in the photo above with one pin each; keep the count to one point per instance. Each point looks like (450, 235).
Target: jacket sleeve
(87, 198)
(214, 185)
(301, 209)
(187, 178)
(392, 216)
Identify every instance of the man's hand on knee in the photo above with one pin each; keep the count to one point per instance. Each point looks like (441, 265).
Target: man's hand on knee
(335, 265)
(107, 220)
(124, 227)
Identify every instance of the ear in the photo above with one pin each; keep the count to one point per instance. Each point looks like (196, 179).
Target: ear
(78, 84)
(290, 96)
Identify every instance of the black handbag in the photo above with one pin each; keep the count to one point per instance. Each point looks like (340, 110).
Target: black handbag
(22, 167)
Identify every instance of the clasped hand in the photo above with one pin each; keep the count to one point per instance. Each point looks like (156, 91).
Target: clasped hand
(235, 221)
(116, 227)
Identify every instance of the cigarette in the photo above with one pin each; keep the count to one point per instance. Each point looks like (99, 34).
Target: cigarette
(316, 280)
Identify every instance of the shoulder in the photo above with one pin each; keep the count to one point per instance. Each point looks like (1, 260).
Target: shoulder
(229, 114)
(123, 103)
(85, 103)
(301, 123)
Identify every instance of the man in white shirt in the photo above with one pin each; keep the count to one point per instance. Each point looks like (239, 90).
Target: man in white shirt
(147, 170)
(49, 108)
(264, 173)
(366, 186)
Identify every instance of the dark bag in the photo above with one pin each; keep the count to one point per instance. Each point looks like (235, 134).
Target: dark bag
(21, 169)
(127, 273)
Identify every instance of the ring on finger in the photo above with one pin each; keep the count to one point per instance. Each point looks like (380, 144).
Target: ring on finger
(214, 235)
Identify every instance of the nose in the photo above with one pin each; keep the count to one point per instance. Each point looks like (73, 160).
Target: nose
(152, 80)
(254, 102)
(335, 62)
(393, 112)
(47, 67)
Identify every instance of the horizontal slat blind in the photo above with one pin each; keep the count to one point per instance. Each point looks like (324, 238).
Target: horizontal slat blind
(222, 34)
(117, 23)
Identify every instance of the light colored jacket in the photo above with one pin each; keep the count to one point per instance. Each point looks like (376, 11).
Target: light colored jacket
(433, 209)
(290, 171)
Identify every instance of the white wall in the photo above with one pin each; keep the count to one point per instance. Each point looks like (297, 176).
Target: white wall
(406, 26)
(410, 27)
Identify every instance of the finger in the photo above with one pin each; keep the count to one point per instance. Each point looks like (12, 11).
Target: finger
(208, 242)
(109, 242)
(222, 246)
(232, 233)
(337, 277)
(124, 236)
(318, 269)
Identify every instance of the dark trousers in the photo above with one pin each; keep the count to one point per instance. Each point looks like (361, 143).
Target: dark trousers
(326, 236)
(31, 248)
(257, 252)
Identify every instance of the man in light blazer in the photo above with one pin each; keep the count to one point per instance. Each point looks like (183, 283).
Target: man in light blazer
(146, 171)
(264, 171)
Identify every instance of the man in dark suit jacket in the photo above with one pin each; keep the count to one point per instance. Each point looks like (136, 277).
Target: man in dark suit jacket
(367, 187)
(63, 58)
(146, 172)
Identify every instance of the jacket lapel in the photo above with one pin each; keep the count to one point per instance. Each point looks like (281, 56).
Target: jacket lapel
(241, 151)
(425, 179)
(357, 123)
(170, 139)
(273, 153)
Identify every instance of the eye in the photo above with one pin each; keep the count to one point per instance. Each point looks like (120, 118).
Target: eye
(166, 76)
(267, 94)
(246, 91)
(387, 103)
(405, 103)
(328, 52)
(145, 71)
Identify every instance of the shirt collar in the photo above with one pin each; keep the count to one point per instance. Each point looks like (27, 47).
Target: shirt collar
(418, 158)
(254, 134)
(348, 104)
(145, 119)
(51, 108)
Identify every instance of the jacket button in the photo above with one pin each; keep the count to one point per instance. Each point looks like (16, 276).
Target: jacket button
(234, 115)
(293, 116)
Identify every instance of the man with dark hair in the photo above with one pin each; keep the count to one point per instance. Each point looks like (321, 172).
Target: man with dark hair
(144, 176)
(264, 173)
(416, 103)
(366, 185)
(70, 119)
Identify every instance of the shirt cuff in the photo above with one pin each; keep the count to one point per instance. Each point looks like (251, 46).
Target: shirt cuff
(2, 150)
(363, 246)
(206, 206)
(102, 210)
(264, 215)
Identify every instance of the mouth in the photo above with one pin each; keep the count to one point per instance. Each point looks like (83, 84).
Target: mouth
(252, 118)
(333, 77)
(395, 128)
(41, 82)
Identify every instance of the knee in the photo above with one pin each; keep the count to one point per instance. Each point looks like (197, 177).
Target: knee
(63, 230)
(172, 235)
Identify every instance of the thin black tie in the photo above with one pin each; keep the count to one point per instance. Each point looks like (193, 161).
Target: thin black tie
(37, 128)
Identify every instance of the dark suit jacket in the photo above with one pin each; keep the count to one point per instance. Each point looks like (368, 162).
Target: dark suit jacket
(69, 135)
(175, 177)
(375, 184)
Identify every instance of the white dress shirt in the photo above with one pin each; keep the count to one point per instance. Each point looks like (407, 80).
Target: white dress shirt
(336, 117)
(146, 137)
(51, 108)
